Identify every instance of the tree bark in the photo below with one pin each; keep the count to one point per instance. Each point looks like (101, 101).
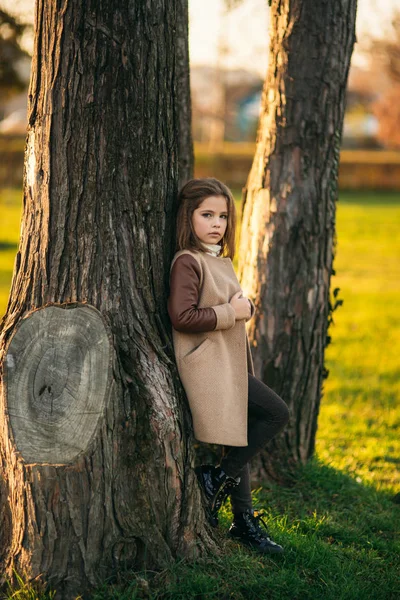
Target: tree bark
(288, 227)
(108, 144)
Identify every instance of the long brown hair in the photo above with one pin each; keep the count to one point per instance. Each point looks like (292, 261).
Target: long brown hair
(190, 197)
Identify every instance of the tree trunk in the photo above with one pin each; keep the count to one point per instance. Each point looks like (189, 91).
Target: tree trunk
(108, 144)
(288, 228)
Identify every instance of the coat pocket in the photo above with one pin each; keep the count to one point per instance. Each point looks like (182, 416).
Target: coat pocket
(195, 353)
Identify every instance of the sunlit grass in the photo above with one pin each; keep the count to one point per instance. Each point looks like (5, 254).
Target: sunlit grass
(10, 215)
(359, 421)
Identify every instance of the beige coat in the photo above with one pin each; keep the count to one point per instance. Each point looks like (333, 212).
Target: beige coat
(214, 365)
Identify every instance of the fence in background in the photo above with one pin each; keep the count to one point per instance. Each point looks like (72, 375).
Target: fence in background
(359, 169)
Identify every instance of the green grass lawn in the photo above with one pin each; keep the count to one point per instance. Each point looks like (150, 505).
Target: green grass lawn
(10, 215)
(338, 522)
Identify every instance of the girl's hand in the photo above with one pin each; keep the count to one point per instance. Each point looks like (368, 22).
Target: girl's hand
(241, 306)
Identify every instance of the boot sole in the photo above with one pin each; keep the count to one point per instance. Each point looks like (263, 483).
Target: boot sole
(248, 544)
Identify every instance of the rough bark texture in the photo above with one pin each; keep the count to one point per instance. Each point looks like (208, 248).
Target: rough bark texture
(108, 143)
(288, 231)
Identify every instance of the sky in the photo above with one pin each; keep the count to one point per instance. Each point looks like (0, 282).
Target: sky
(246, 31)
(239, 39)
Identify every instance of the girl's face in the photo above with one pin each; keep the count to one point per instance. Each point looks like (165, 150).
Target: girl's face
(210, 219)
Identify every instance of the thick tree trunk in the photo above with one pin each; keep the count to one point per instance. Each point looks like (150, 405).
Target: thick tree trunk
(108, 143)
(288, 231)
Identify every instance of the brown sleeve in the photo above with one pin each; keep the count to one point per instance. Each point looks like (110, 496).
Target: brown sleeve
(184, 297)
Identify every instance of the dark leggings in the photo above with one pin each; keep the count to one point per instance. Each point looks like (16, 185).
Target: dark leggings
(267, 415)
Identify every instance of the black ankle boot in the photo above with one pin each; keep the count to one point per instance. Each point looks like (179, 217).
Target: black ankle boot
(247, 530)
(216, 486)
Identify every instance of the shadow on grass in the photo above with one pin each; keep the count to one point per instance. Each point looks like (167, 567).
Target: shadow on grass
(334, 500)
(369, 197)
(8, 246)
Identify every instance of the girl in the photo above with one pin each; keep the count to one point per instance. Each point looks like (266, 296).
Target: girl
(208, 312)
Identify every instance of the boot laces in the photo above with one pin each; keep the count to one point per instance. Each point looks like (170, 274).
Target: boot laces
(254, 521)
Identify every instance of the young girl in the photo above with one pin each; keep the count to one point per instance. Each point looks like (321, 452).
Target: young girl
(208, 312)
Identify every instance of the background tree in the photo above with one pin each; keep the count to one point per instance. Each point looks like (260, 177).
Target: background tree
(108, 145)
(288, 227)
(387, 108)
(11, 52)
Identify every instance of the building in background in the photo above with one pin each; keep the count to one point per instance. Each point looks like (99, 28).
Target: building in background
(226, 95)
(225, 104)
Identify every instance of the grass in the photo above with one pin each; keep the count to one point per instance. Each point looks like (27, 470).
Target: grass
(337, 520)
(10, 215)
(360, 415)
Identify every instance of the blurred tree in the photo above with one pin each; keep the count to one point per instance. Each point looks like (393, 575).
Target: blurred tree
(389, 50)
(387, 108)
(289, 206)
(108, 145)
(11, 53)
(387, 111)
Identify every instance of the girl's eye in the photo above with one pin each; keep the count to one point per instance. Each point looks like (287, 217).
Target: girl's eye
(209, 215)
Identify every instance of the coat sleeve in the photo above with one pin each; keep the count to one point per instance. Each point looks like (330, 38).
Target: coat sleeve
(183, 300)
(252, 309)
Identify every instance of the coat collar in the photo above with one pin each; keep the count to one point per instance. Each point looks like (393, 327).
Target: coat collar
(213, 249)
